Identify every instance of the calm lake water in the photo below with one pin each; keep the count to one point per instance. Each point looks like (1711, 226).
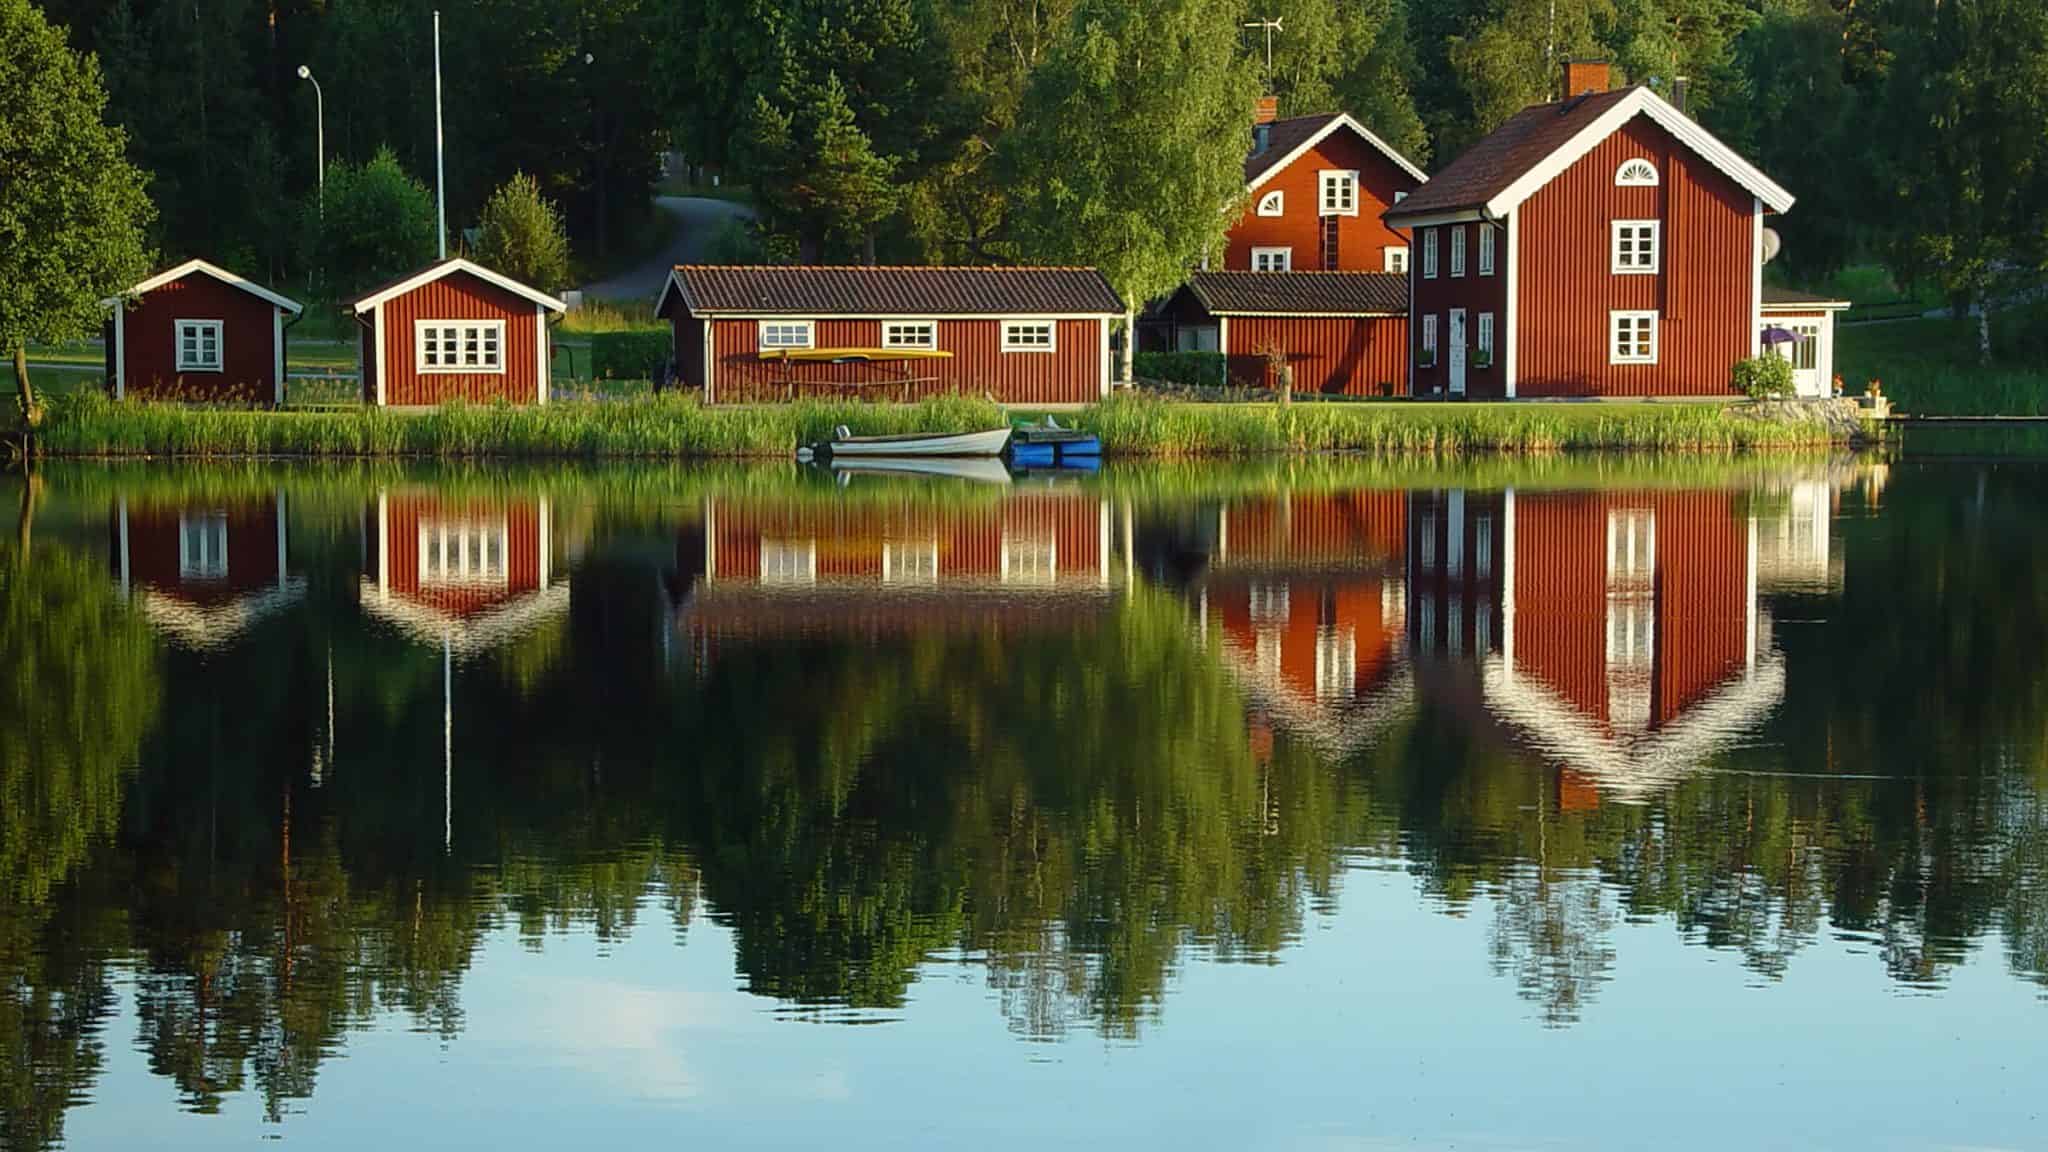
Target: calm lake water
(1328, 804)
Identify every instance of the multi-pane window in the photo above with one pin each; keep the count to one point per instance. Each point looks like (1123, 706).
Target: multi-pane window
(1029, 559)
(463, 553)
(1486, 249)
(910, 562)
(199, 345)
(1273, 203)
(1429, 253)
(1635, 247)
(1028, 335)
(913, 334)
(460, 345)
(202, 547)
(1458, 250)
(1340, 193)
(1272, 259)
(789, 561)
(1267, 602)
(1396, 258)
(786, 334)
(1485, 339)
(1429, 338)
(1633, 337)
(1804, 350)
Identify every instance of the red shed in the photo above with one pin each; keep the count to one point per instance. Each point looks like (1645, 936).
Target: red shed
(204, 573)
(198, 332)
(1316, 188)
(1022, 335)
(1343, 332)
(454, 330)
(1604, 245)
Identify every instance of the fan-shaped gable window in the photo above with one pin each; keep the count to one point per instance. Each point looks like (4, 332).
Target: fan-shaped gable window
(1636, 174)
(1272, 204)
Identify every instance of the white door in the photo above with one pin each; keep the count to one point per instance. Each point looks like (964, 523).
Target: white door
(1457, 351)
(1805, 355)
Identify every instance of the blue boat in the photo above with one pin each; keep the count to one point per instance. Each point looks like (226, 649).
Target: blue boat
(1048, 445)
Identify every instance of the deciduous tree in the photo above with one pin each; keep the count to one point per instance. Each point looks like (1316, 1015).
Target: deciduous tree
(520, 234)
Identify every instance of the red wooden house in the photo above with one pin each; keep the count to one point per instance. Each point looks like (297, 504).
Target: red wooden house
(454, 330)
(1022, 335)
(466, 573)
(1604, 245)
(203, 574)
(198, 332)
(1316, 187)
(1340, 332)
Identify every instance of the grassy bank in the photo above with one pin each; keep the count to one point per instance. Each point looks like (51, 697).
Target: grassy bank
(1930, 366)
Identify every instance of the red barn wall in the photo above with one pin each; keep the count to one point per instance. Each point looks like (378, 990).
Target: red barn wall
(1354, 356)
(1565, 285)
(405, 513)
(460, 296)
(149, 342)
(1472, 292)
(1071, 374)
(1361, 239)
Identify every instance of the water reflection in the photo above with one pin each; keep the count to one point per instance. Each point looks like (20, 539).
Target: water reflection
(281, 752)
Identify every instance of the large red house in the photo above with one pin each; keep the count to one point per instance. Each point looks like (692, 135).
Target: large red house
(1316, 186)
(1022, 335)
(198, 332)
(454, 330)
(1603, 245)
(1341, 332)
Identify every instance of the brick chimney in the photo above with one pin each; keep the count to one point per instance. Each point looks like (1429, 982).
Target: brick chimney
(1268, 110)
(1584, 76)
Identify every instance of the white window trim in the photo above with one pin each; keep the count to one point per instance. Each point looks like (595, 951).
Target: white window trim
(1656, 264)
(1622, 181)
(1394, 258)
(420, 329)
(929, 344)
(1487, 240)
(1614, 320)
(1273, 203)
(1329, 177)
(1457, 250)
(1429, 251)
(810, 330)
(1052, 339)
(1429, 335)
(1286, 255)
(1486, 337)
(220, 351)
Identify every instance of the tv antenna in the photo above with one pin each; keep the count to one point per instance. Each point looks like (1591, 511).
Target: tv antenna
(1271, 26)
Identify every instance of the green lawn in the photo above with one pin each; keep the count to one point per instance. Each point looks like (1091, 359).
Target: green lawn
(1930, 366)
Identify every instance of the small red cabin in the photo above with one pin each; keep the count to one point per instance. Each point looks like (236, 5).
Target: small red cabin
(454, 330)
(468, 573)
(198, 332)
(1316, 187)
(1021, 335)
(203, 574)
(1341, 332)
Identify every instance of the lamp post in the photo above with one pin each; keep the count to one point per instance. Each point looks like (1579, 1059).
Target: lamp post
(319, 130)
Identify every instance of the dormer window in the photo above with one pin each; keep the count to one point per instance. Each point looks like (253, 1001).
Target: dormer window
(1272, 204)
(1340, 193)
(1636, 173)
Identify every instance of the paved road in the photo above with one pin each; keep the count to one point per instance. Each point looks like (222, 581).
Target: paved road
(697, 222)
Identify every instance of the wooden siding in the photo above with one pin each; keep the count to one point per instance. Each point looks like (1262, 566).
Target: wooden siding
(1566, 286)
(248, 342)
(459, 296)
(1071, 374)
(408, 515)
(1354, 356)
(154, 532)
(1361, 239)
(1472, 292)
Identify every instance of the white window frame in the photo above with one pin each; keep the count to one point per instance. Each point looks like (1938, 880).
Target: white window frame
(1395, 258)
(1485, 337)
(1614, 322)
(1486, 242)
(1273, 203)
(1261, 255)
(463, 330)
(910, 561)
(809, 328)
(1457, 250)
(1429, 336)
(911, 335)
(1012, 344)
(1624, 179)
(1343, 181)
(1429, 248)
(200, 330)
(464, 553)
(203, 546)
(787, 562)
(1639, 234)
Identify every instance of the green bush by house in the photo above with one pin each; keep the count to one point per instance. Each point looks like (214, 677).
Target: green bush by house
(1189, 369)
(633, 354)
(1763, 377)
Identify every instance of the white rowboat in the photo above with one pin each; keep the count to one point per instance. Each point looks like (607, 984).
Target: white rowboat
(989, 443)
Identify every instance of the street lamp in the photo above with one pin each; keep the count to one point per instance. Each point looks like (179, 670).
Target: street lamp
(319, 130)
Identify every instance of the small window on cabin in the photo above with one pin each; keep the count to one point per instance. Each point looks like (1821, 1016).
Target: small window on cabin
(199, 345)
(1394, 258)
(1486, 249)
(789, 561)
(1272, 259)
(786, 334)
(1636, 174)
(1633, 337)
(464, 553)
(1028, 335)
(203, 547)
(910, 561)
(920, 335)
(1429, 253)
(1635, 247)
(1340, 193)
(1458, 250)
(459, 345)
(1273, 204)
(1032, 559)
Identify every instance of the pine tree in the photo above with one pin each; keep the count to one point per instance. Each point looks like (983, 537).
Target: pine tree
(520, 234)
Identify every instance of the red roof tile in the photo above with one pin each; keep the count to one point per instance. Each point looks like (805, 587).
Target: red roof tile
(892, 291)
(1301, 293)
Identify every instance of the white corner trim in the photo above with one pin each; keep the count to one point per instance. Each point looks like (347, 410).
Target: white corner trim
(448, 268)
(120, 352)
(1756, 277)
(540, 338)
(277, 358)
(1343, 120)
(1511, 241)
(1223, 341)
(218, 273)
(1102, 328)
(377, 353)
(710, 361)
(545, 521)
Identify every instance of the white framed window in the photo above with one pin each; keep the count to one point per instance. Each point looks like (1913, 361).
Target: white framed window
(1429, 338)
(1635, 247)
(1458, 250)
(922, 335)
(786, 334)
(1273, 203)
(1485, 339)
(1340, 193)
(203, 547)
(1395, 258)
(464, 553)
(789, 561)
(1486, 249)
(199, 345)
(1429, 253)
(1637, 173)
(1030, 559)
(1267, 603)
(1482, 550)
(1632, 337)
(459, 345)
(1029, 335)
(1272, 259)
(910, 561)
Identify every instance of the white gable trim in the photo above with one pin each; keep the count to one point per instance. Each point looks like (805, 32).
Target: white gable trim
(1642, 101)
(449, 268)
(277, 375)
(1343, 120)
(218, 273)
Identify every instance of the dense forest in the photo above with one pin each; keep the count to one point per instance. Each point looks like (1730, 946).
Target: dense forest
(1096, 131)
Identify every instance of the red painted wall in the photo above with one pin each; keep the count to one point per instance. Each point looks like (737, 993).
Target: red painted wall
(1357, 527)
(1354, 356)
(153, 537)
(458, 296)
(850, 538)
(1071, 374)
(248, 342)
(1360, 239)
(407, 513)
(1474, 293)
(1566, 288)
(1358, 607)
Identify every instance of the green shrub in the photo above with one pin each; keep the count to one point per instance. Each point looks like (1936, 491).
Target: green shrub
(634, 354)
(1190, 369)
(1763, 377)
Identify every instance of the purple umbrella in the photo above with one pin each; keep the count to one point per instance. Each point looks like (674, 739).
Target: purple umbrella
(1777, 335)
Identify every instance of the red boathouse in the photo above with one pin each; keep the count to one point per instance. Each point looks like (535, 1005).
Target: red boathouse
(198, 332)
(1341, 332)
(454, 330)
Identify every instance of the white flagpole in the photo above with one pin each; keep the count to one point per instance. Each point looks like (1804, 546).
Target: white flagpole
(440, 170)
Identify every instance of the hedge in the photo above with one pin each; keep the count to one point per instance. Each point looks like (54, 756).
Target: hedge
(634, 354)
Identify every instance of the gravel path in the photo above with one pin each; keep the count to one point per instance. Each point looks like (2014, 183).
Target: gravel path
(697, 222)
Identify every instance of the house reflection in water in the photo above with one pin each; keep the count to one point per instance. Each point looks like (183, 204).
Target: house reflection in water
(467, 574)
(204, 573)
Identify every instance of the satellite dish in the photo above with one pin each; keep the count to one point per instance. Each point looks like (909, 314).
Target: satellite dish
(1771, 244)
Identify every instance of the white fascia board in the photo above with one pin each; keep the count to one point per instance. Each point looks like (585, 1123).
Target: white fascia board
(1343, 120)
(449, 268)
(218, 273)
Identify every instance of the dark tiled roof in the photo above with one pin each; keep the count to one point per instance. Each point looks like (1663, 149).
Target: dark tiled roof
(1485, 170)
(1301, 293)
(887, 291)
(1786, 297)
(1284, 137)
